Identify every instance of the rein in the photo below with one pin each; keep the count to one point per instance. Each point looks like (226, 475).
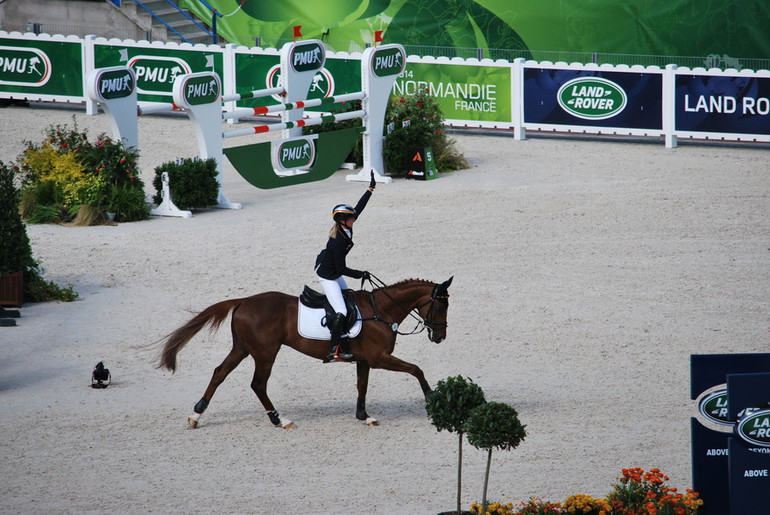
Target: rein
(421, 324)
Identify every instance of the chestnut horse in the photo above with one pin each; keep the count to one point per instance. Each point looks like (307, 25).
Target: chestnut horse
(262, 323)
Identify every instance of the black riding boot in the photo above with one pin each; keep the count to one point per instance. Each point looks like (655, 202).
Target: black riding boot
(339, 346)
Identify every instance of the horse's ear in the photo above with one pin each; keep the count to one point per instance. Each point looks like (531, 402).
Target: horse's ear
(445, 284)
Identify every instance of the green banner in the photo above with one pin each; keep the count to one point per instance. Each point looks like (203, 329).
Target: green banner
(41, 67)
(156, 68)
(737, 28)
(464, 92)
(254, 71)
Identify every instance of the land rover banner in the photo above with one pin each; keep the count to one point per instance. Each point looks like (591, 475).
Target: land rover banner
(156, 68)
(593, 98)
(41, 67)
(731, 469)
(722, 104)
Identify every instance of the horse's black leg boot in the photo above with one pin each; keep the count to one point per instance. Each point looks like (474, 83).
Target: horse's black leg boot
(336, 353)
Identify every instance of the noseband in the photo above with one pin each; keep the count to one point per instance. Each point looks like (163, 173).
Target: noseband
(427, 322)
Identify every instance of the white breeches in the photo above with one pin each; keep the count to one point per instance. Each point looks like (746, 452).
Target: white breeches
(333, 290)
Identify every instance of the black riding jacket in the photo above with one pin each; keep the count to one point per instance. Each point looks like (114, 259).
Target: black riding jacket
(330, 263)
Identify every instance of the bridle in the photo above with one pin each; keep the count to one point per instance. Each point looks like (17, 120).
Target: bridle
(422, 323)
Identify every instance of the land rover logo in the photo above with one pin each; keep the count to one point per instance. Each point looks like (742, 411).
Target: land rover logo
(307, 57)
(112, 84)
(295, 153)
(755, 428)
(388, 61)
(201, 89)
(592, 98)
(714, 407)
(24, 67)
(155, 75)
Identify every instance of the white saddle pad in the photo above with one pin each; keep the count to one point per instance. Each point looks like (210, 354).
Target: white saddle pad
(309, 324)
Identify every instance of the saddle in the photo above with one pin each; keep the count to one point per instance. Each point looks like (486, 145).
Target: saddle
(317, 300)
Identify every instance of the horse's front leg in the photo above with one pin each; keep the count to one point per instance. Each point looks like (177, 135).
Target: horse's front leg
(390, 362)
(362, 370)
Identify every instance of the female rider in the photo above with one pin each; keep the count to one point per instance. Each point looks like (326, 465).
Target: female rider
(331, 268)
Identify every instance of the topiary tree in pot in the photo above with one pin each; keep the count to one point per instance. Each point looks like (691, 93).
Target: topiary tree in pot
(493, 425)
(15, 251)
(448, 407)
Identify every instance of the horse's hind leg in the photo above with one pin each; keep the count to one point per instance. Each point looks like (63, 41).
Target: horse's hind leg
(237, 354)
(362, 370)
(262, 371)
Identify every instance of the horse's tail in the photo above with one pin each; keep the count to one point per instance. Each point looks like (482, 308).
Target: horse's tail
(213, 315)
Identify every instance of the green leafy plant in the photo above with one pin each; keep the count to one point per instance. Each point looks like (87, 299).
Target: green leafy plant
(15, 249)
(67, 171)
(193, 183)
(128, 203)
(416, 121)
(493, 425)
(448, 407)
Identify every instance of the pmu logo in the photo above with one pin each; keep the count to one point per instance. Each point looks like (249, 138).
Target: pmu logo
(322, 86)
(592, 98)
(201, 89)
(388, 61)
(155, 74)
(304, 58)
(114, 84)
(755, 427)
(295, 153)
(714, 407)
(24, 67)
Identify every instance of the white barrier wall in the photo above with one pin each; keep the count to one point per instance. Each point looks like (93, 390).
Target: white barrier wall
(525, 96)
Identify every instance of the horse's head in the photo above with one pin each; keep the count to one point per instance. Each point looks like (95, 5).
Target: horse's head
(434, 311)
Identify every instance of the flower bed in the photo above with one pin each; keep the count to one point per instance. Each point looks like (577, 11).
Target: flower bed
(636, 493)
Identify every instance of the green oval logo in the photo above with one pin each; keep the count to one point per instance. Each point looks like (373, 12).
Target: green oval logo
(323, 83)
(294, 153)
(24, 67)
(592, 98)
(155, 75)
(308, 56)
(388, 61)
(200, 89)
(755, 428)
(112, 84)
(714, 407)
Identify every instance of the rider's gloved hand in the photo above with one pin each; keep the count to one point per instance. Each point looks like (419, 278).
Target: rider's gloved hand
(366, 276)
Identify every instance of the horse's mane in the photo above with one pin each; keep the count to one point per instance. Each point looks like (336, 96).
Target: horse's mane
(400, 283)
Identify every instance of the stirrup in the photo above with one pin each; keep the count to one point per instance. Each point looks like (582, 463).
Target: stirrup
(337, 356)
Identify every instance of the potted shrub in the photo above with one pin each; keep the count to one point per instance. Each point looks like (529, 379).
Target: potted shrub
(448, 407)
(416, 121)
(17, 266)
(493, 425)
(15, 251)
(193, 183)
